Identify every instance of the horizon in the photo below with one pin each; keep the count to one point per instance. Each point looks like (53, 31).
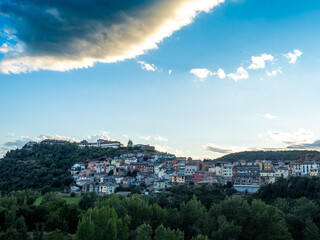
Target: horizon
(195, 78)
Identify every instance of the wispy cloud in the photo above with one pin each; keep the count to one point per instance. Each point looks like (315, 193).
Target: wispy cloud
(301, 136)
(269, 116)
(260, 61)
(293, 56)
(94, 31)
(147, 138)
(170, 71)
(223, 149)
(273, 73)
(240, 74)
(161, 139)
(147, 66)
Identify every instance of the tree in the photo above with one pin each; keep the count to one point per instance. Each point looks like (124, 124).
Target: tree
(130, 144)
(111, 172)
(163, 233)
(311, 230)
(56, 235)
(144, 232)
(85, 229)
(87, 201)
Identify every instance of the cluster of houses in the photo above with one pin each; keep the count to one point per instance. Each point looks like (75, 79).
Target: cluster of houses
(158, 172)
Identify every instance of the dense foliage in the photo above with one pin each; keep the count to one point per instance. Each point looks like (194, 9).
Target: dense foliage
(47, 165)
(274, 156)
(178, 214)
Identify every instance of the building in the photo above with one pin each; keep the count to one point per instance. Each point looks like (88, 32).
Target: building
(266, 165)
(203, 177)
(100, 143)
(190, 169)
(107, 188)
(226, 172)
(161, 184)
(246, 178)
(177, 178)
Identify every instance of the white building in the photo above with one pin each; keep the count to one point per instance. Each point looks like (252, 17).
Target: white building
(107, 188)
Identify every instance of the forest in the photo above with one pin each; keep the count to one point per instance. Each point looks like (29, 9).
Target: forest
(275, 156)
(277, 211)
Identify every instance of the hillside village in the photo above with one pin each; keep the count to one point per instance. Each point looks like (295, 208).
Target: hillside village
(157, 172)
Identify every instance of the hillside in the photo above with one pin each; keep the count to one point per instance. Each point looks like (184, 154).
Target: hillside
(270, 156)
(48, 165)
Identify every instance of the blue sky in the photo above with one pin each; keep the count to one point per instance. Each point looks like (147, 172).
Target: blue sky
(271, 103)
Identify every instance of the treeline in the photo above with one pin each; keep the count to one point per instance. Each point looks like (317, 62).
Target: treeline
(47, 165)
(274, 156)
(189, 212)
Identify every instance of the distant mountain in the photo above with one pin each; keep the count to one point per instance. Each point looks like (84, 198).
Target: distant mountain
(270, 156)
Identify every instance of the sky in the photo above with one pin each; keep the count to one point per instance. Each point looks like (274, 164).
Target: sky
(199, 78)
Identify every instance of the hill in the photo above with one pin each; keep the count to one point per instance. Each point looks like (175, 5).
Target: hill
(270, 156)
(49, 164)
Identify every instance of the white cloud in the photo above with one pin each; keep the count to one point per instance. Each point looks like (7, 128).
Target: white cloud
(125, 136)
(147, 138)
(102, 135)
(301, 136)
(293, 56)
(273, 73)
(106, 41)
(56, 137)
(161, 139)
(240, 74)
(269, 116)
(147, 66)
(221, 74)
(260, 61)
(161, 148)
(201, 73)
(170, 71)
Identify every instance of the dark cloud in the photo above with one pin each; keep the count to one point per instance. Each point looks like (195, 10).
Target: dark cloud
(67, 34)
(218, 150)
(312, 146)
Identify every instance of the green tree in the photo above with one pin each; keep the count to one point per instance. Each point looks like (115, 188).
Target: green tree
(311, 230)
(200, 237)
(85, 229)
(56, 235)
(163, 233)
(144, 232)
(87, 200)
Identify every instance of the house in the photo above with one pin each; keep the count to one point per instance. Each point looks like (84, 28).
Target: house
(190, 169)
(107, 188)
(100, 143)
(203, 177)
(282, 172)
(161, 184)
(267, 176)
(139, 166)
(92, 165)
(84, 180)
(77, 168)
(246, 177)
(314, 172)
(127, 181)
(177, 178)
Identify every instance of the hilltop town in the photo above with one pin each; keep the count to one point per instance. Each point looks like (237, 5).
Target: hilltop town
(159, 171)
